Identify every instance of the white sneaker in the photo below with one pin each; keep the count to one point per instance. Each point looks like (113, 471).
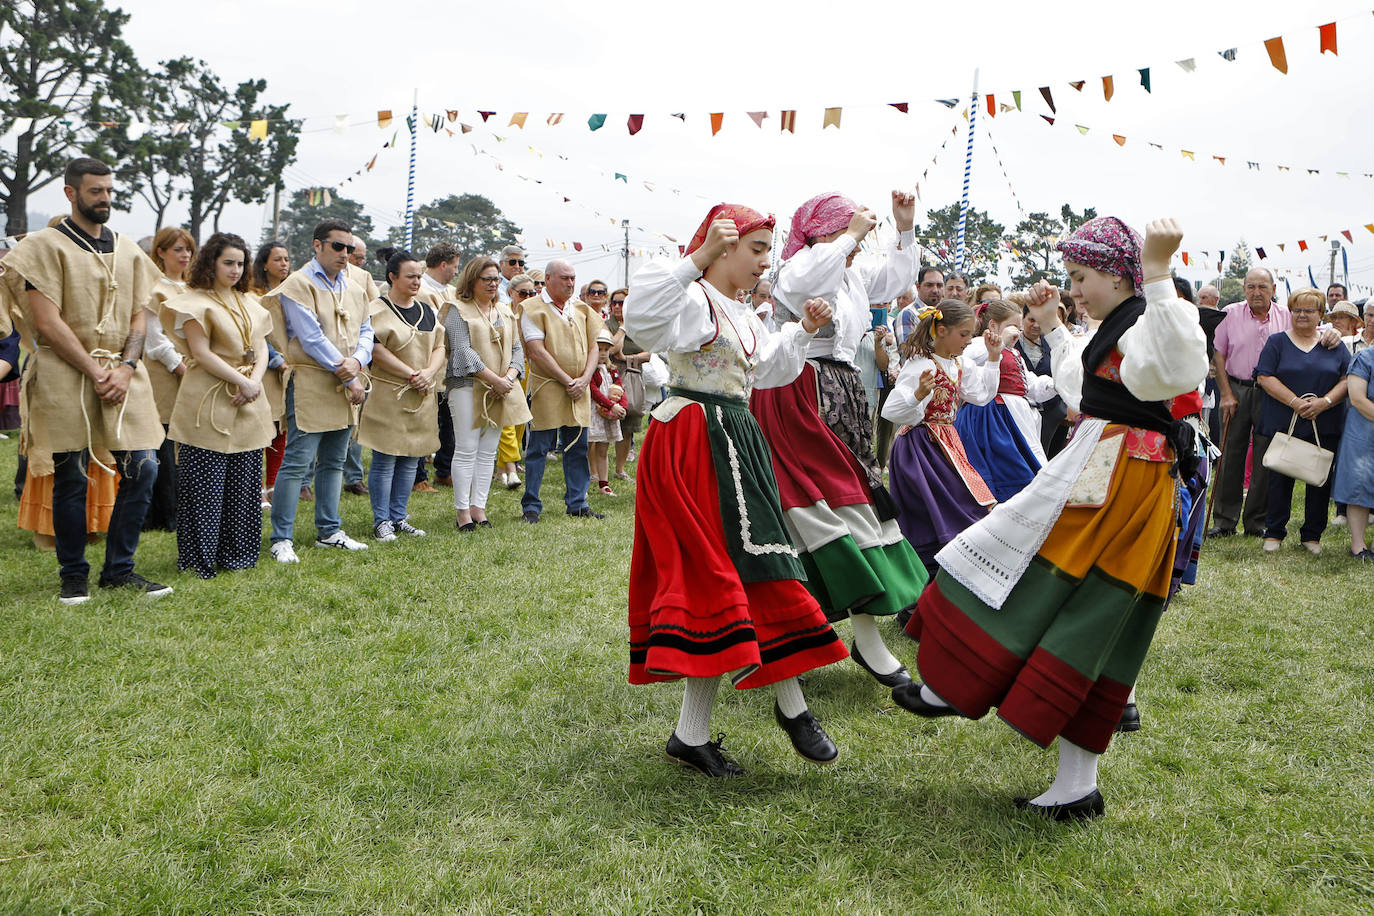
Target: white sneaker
(284, 552)
(405, 527)
(1340, 521)
(384, 531)
(340, 540)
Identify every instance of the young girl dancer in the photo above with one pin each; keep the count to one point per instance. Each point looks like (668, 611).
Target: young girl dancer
(1045, 608)
(937, 489)
(820, 432)
(714, 579)
(1003, 436)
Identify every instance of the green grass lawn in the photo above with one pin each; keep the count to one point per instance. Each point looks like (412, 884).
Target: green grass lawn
(444, 725)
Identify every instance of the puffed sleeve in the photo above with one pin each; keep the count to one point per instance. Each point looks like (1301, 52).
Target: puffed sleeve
(781, 354)
(902, 406)
(1066, 364)
(664, 313)
(887, 279)
(1164, 354)
(978, 384)
(811, 273)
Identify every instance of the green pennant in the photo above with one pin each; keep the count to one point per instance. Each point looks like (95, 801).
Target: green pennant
(595, 121)
(1145, 78)
(622, 177)
(1016, 97)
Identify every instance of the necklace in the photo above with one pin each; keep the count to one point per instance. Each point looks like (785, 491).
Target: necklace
(107, 301)
(238, 313)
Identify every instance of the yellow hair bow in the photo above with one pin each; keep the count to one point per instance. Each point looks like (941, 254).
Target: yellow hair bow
(928, 311)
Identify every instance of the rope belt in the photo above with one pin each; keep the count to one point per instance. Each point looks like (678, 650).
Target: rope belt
(213, 393)
(108, 361)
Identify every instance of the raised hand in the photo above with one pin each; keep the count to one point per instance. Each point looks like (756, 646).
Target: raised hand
(722, 234)
(1162, 238)
(903, 210)
(1043, 301)
(861, 223)
(818, 315)
(993, 341)
(926, 385)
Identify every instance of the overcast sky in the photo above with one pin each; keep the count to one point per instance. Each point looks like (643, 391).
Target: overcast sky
(620, 57)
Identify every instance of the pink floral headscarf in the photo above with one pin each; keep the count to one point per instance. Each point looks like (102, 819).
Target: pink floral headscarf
(1106, 244)
(821, 215)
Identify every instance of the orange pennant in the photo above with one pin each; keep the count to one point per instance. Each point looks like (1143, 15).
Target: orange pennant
(1302, 245)
(992, 106)
(1369, 226)
(383, 118)
(1277, 57)
(716, 119)
(1185, 259)
(1328, 37)
(1120, 140)
(1108, 89)
(518, 119)
(1221, 159)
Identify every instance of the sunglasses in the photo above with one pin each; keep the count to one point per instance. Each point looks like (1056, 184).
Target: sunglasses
(340, 246)
(515, 262)
(490, 279)
(596, 292)
(617, 302)
(538, 282)
(525, 293)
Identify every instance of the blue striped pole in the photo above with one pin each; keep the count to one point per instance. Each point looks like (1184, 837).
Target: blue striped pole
(410, 182)
(968, 169)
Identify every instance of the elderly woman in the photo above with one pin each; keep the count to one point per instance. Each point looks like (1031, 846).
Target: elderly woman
(1354, 486)
(1302, 381)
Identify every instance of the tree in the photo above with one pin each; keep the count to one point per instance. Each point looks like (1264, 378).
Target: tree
(1032, 248)
(57, 59)
(153, 152)
(1072, 220)
(1232, 282)
(982, 240)
(479, 227)
(301, 216)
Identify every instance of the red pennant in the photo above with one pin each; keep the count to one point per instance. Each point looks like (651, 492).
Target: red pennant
(900, 106)
(1302, 245)
(716, 119)
(1048, 119)
(1260, 252)
(1049, 99)
(636, 123)
(1346, 233)
(486, 114)
(1328, 37)
(577, 246)
(682, 250)
(992, 106)
(1185, 259)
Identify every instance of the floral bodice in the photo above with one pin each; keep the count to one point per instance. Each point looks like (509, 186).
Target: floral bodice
(724, 366)
(944, 399)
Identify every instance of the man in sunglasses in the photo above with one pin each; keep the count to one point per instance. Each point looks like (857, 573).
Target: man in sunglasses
(511, 262)
(320, 322)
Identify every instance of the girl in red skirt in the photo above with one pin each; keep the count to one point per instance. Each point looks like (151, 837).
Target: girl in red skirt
(715, 582)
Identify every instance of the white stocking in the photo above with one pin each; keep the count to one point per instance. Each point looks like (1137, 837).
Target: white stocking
(1076, 778)
(929, 696)
(1131, 699)
(694, 723)
(790, 699)
(870, 644)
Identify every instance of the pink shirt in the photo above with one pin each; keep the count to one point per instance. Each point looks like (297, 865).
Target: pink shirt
(1241, 336)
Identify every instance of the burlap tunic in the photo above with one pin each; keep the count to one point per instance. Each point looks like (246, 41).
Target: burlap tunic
(165, 383)
(273, 383)
(494, 346)
(568, 342)
(205, 415)
(321, 403)
(398, 419)
(61, 411)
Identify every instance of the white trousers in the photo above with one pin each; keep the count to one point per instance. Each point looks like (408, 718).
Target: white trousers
(474, 453)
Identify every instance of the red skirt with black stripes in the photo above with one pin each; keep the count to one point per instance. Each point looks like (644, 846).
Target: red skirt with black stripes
(690, 614)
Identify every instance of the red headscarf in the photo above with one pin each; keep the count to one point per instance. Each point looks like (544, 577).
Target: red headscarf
(746, 221)
(821, 215)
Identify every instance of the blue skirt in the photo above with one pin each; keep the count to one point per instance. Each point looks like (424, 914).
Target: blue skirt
(1354, 474)
(996, 448)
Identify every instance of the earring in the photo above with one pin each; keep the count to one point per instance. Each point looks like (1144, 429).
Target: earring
(1116, 285)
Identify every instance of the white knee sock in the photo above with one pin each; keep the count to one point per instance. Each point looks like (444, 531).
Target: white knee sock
(870, 644)
(929, 696)
(1076, 778)
(694, 723)
(1131, 698)
(790, 699)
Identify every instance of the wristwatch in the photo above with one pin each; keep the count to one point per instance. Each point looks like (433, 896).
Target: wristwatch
(131, 363)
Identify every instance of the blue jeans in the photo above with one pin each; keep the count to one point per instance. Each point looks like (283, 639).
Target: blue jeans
(138, 474)
(330, 450)
(353, 465)
(389, 482)
(577, 474)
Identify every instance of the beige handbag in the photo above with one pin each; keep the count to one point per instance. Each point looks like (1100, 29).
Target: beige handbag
(1292, 457)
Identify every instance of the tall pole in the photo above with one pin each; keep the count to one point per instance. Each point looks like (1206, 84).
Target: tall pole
(1335, 247)
(968, 169)
(625, 224)
(276, 210)
(410, 182)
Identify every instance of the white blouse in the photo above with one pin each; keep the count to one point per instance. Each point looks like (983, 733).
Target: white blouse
(1039, 388)
(819, 272)
(667, 312)
(1163, 355)
(977, 385)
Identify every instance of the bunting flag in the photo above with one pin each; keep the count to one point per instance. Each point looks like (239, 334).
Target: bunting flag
(1049, 99)
(1185, 259)
(635, 124)
(1077, 85)
(622, 177)
(992, 106)
(1328, 37)
(1188, 65)
(717, 118)
(1188, 154)
(900, 106)
(518, 119)
(1108, 88)
(1346, 233)
(832, 117)
(452, 115)
(1282, 246)
(948, 103)
(757, 117)
(1081, 129)
(1048, 120)
(577, 246)
(372, 162)
(1302, 244)
(1120, 140)
(466, 128)
(680, 116)
(1145, 78)
(596, 121)
(257, 130)
(1228, 54)
(436, 123)
(1260, 252)
(788, 121)
(485, 115)
(555, 118)
(340, 124)
(383, 119)
(1277, 57)
(1221, 159)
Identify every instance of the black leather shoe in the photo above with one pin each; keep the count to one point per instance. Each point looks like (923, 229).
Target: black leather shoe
(808, 738)
(908, 696)
(467, 528)
(705, 758)
(530, 518)
(1130, 719)
(586, 513)
(894, 679)
(1220, 532)
(1089, 806)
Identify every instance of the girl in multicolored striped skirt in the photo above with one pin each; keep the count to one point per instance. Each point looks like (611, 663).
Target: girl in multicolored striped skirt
(1045, 608)
(715, 583)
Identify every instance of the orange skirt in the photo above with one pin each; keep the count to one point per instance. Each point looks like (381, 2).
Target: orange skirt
(35, 506)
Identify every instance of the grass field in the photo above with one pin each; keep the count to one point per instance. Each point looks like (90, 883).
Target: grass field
(444, 726)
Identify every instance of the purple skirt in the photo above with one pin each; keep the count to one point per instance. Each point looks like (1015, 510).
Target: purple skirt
(933, 501)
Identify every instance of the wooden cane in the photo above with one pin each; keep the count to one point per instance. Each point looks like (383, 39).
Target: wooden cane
(1215, 482)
